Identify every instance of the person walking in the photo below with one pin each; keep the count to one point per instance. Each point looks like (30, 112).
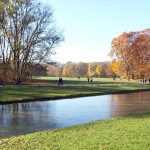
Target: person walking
(88, 80)
(145, 80)
(60, 82)
(91, 81)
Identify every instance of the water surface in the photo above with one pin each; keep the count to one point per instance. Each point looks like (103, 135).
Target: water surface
(23, 118)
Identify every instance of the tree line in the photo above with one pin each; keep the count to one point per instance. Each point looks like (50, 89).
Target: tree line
(81, 69)
(130, 53)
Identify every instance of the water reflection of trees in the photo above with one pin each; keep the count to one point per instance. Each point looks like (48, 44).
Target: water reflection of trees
(25, 117)
(122, 104)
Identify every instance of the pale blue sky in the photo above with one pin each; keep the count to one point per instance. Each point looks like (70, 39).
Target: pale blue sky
(90, 25)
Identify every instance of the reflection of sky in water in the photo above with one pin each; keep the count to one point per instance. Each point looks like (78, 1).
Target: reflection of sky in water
(25, 118)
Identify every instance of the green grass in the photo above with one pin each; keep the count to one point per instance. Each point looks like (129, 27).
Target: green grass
(36, 92)
(131, 132)
(84, 80)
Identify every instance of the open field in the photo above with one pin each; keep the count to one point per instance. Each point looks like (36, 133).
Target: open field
(119, 133)
(68, 80)
(73, 87)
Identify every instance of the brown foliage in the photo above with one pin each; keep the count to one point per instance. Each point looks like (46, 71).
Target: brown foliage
(133, 49)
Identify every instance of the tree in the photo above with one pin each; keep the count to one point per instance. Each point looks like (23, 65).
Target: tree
(40, 70)
(55, 70)
(120, 49)
(69, 69)
(133, 50)
(101, 70)
(118, 68)
(141, 47)
(82, 69)
(28, 36)
(91, 69)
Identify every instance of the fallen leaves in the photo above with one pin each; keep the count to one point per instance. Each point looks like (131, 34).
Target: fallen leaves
(85, 147)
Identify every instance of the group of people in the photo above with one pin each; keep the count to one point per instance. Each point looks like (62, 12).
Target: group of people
(145, 80)
(90, 80)
(60, 81)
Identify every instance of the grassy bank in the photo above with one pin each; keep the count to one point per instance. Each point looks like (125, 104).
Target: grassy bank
(28, 93)
(119, 133)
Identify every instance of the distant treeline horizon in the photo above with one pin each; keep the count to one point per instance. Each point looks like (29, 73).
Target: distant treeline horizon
(80, 69)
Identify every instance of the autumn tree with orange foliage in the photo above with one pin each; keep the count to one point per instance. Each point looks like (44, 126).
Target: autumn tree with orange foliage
(130, 53)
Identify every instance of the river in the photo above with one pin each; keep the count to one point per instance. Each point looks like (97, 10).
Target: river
(24, 118)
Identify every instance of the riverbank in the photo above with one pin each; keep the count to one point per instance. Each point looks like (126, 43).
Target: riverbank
(126, 132)
(17, 94)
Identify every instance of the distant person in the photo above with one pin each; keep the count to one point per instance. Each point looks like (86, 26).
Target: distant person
(18, 82)
(1, 82)
(91, 81)
(145, 81)
(88, 80)
(60, 82)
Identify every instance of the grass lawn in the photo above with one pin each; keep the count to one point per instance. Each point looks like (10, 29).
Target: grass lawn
(131, 132)
(8, 94)
(69, 80)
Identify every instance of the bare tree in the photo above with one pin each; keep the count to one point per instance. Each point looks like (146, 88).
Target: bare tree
(28, 36)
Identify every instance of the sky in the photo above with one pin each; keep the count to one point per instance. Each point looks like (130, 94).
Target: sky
(89, 26)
